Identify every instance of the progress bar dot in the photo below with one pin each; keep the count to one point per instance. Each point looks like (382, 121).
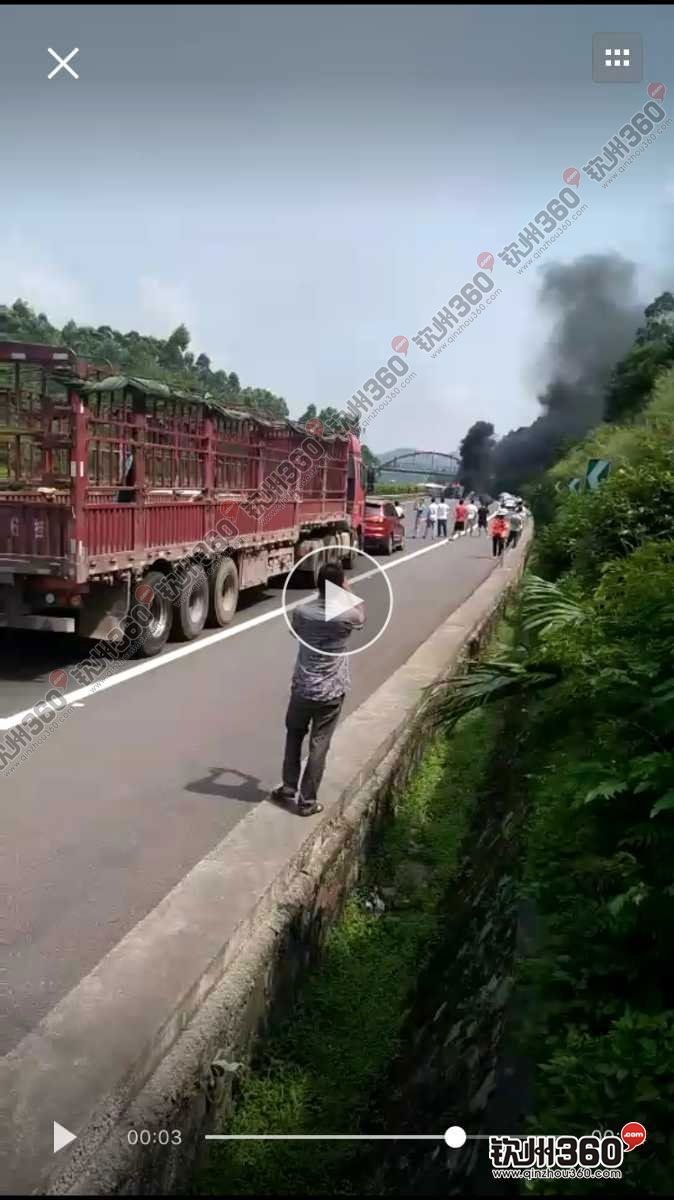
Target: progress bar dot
(455, 1137)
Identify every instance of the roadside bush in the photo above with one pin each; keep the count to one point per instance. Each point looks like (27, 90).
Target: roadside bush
(594, 666)
(636, 503)
(397, 489)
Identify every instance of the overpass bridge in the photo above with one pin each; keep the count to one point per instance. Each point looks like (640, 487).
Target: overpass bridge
(435, 465)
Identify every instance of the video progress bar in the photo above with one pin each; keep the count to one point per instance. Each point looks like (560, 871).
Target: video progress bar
(324, 1137)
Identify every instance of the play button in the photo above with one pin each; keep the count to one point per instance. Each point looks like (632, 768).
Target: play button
(62, 1137)
(338, 601)
(332, 625)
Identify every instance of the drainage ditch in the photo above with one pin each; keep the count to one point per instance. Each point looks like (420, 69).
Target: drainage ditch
(398, 1025)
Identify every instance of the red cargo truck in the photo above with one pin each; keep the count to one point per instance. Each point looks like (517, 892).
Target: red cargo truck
(108, 482)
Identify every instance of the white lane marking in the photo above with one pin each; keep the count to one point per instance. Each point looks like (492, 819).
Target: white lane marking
(170, 656)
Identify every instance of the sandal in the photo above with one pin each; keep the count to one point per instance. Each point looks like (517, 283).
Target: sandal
(309, 810)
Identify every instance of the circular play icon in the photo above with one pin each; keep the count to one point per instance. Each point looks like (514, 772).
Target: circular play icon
(346, 615)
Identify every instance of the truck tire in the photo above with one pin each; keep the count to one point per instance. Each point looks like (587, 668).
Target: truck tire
(307, 576)
(157, 632)
(224, 593)
(191, 610)
(350, 558)
(387, 547)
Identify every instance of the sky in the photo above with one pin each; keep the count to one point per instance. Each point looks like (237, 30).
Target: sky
(299, 185)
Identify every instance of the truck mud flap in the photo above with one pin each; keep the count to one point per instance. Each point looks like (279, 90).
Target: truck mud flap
(104, 608)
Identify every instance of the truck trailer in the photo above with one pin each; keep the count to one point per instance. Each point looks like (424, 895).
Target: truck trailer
(116, 489)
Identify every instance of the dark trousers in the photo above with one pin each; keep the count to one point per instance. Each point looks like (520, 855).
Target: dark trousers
(318, 718)
(442, 527)
(513, 538)
(497, 545)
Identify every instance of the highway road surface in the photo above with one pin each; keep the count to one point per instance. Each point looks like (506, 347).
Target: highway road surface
(139, 781)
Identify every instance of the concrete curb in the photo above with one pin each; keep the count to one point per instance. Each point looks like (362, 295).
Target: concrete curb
(141, 1041)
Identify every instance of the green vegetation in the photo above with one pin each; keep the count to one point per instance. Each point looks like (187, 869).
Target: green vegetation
(593, 664)
(167, 359)
(635, 375)
(398, 489)
(332, 419)
(323, 1069)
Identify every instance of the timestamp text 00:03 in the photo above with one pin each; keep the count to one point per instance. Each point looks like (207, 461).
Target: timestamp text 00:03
(162, 1137)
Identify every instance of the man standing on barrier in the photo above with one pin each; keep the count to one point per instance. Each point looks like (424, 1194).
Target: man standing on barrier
(320, 681)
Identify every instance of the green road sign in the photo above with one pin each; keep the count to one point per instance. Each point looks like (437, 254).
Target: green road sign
(597, 471)
(576, 485)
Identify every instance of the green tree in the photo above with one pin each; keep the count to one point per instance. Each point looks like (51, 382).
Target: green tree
(309, 414)
(261, 398)
(331, 418)
(174, 347)
(634, 376)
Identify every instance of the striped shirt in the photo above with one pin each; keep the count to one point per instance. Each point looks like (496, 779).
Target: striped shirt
(322, 676)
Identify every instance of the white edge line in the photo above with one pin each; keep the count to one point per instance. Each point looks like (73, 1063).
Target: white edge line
(182, 651)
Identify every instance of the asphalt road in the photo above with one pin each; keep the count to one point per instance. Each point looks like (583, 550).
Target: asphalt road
(138, 782)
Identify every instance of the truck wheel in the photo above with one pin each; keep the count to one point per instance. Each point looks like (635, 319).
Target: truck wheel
(349, 559)
(388, 545)
(157, 632)
(224, 593)
(191, 610)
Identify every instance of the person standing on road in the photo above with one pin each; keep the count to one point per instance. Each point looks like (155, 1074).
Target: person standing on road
(482, 517)
(499, 533)
(431, 518)
(419, 511)
(515, 528)
(471, 517)
(320, 681)
(443, 513)
(460, 513)
(400, 511)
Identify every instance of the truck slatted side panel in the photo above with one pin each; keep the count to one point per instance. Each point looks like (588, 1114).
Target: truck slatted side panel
(175, 524)
(32, 527)
(110, 527)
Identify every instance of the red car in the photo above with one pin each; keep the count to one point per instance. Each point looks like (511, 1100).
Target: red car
(384, 529)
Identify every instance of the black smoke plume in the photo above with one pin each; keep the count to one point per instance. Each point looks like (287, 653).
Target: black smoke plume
(596, 314)
(476, 451)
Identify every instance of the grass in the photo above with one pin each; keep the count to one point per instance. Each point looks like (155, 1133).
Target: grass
(322, 1070)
